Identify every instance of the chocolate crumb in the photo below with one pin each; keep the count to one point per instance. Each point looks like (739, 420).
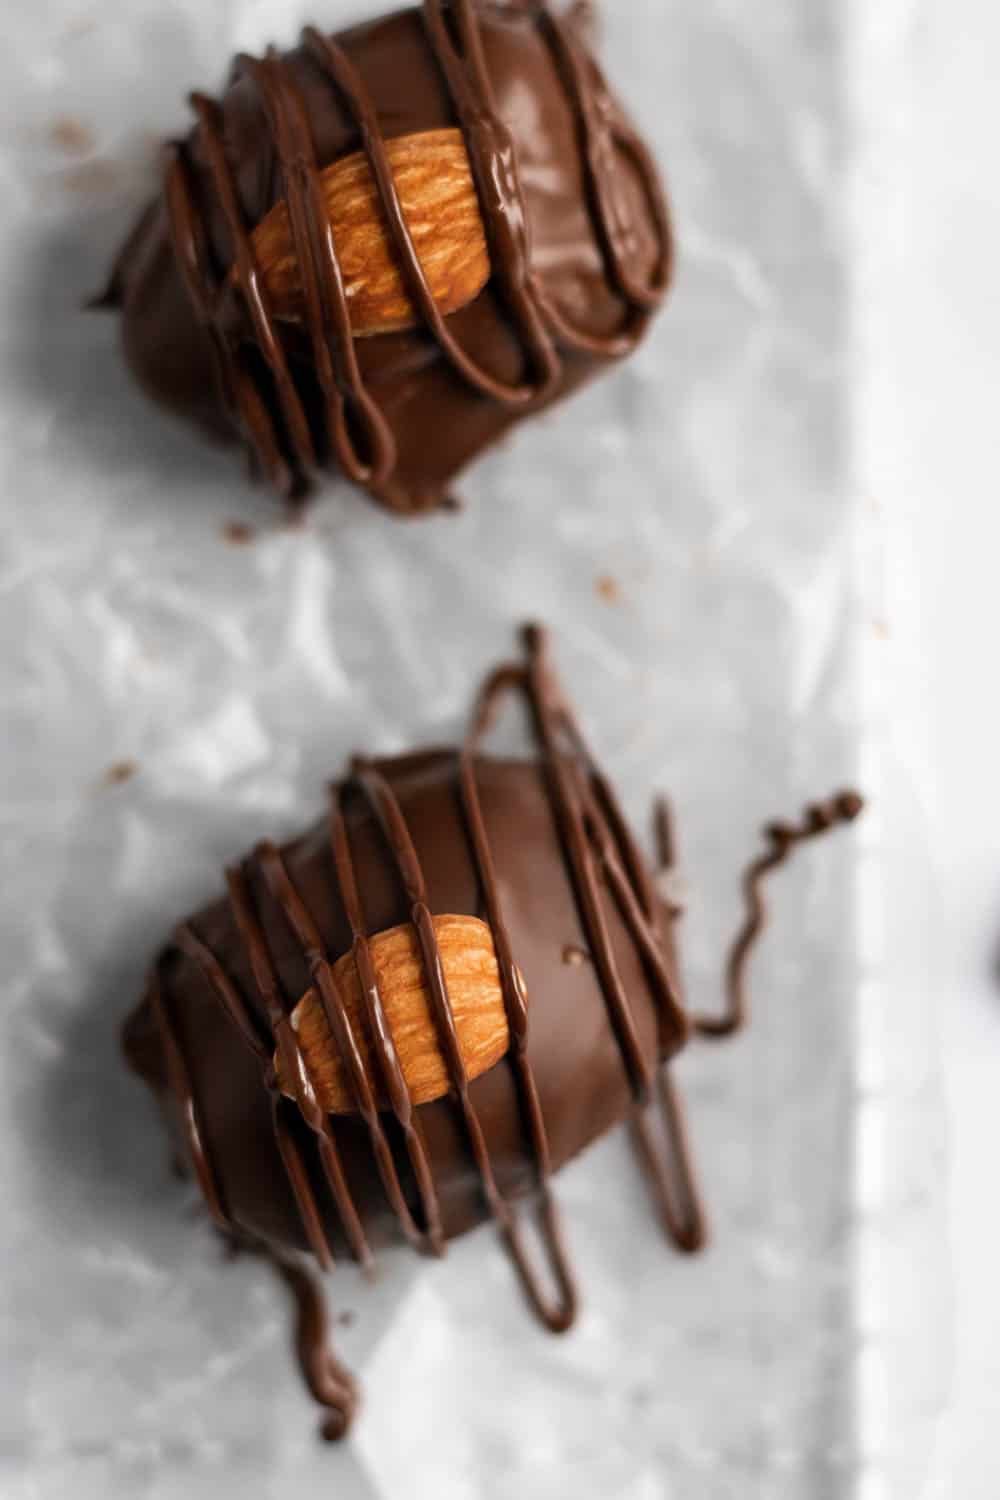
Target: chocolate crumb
(92, 178)
(81, 27)
(574, 956)
(239, 533)
(120, 772)
(346, 1318)
(71, 136)
(608, 589)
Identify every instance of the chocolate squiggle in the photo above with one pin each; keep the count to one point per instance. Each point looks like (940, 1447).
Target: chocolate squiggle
(782, 839)
(257, 382)
(598, 850)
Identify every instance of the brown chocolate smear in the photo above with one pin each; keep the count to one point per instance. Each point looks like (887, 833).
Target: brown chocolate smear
(238, 533)
(575, 219)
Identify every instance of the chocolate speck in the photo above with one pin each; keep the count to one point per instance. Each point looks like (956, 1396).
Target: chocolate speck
(238, 533)
(574, 956)
(346, 1318)
(92, 178)
(71, 136)
(81, 27)
(120, 772)
(608, 589)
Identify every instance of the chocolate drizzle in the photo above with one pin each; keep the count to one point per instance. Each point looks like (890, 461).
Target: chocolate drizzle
(331, 1384)
(598, 852)
(782, 840)
(179, 1080)
(288, 435)
(670, 1174)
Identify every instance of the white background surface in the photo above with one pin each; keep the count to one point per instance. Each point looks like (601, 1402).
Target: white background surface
(932, 453)
(709, 476)
(742, 381)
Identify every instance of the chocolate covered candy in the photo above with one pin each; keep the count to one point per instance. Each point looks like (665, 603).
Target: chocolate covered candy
(379, 251)
(402, 1023)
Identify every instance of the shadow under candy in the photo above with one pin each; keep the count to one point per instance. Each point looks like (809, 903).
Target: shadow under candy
(70, 361)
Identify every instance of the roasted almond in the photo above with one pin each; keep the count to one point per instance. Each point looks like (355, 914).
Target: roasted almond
(438, 197)
(474, 991)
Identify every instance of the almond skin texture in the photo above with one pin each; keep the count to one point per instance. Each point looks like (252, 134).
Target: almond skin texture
(434, 182)
(473, 981)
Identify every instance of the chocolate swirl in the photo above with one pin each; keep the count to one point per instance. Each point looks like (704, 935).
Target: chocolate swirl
(782, 840)
(300, 400)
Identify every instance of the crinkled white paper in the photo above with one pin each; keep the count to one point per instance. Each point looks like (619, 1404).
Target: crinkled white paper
(686, 528)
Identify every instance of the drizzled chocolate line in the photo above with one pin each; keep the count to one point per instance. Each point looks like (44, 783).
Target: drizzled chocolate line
(589, 842)
(331, 1384)
(237, 386)
(493, 159)
(328, 319)
(335, 63)
(782, 839)
(602, 133)
(662, 1141)
(393, 1081)
(180, 1085)
(385, 805)
(676, 1192)
(282, 444)
(275, 873)
(279, 1007)
(594, 829)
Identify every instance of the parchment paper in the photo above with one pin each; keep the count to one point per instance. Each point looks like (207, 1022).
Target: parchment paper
(688, 529)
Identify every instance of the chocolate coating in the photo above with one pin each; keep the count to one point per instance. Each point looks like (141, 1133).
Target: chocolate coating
(572, 1049)
(576, 225)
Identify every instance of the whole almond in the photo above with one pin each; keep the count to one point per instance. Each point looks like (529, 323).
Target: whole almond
(474, 991)
(438, 197)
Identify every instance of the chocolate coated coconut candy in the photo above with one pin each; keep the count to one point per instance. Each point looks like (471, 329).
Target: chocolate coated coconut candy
(377, 252)
(401, 1024)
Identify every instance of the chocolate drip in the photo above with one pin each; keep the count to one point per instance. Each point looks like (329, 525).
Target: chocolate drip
(180, 1085)
(782, 840)
(257, 383)
(330, 1383)
(669, 1168)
